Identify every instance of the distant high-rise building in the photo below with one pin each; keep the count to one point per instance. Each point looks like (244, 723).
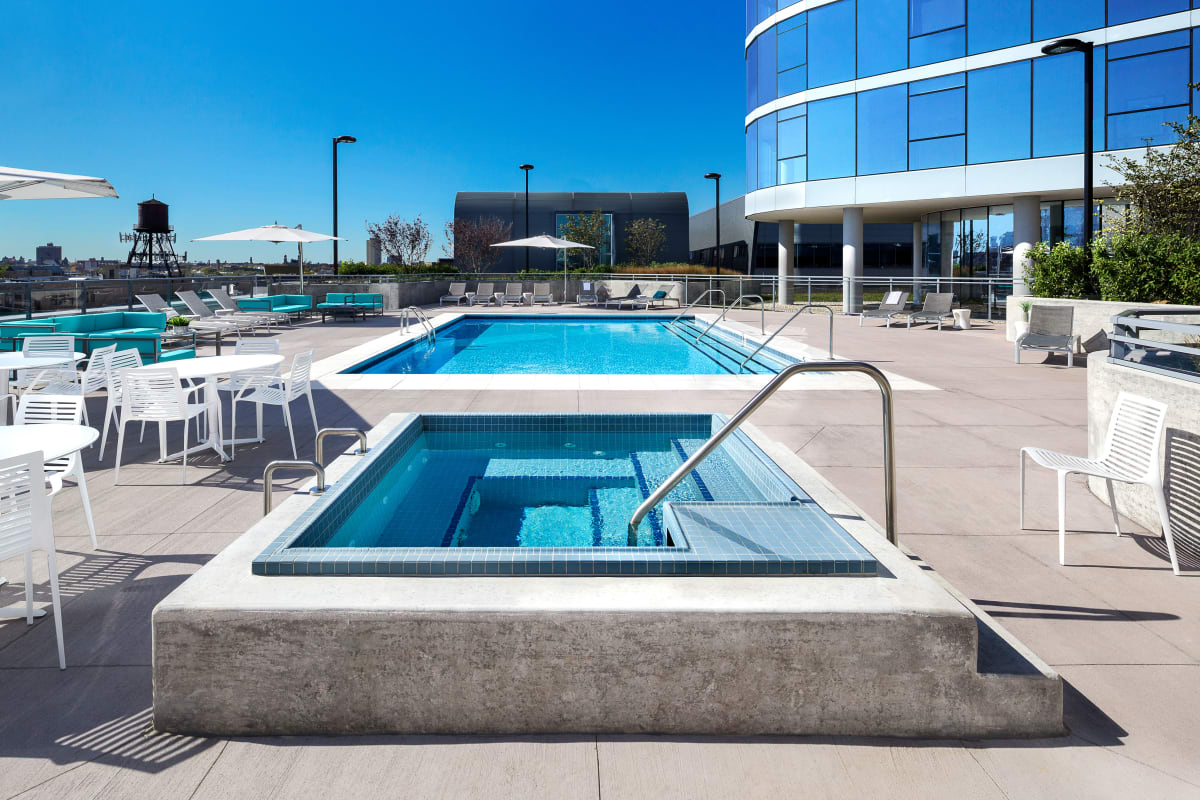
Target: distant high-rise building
(374, 251)
(49, 254)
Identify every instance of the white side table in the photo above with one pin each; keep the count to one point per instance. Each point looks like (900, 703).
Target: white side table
(962, 318)
(527, 298)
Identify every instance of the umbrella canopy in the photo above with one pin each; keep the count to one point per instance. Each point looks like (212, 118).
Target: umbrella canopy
(27, 184)
(551, 243)
(274, 233)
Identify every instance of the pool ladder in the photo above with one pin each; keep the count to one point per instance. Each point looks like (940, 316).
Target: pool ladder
(735, 422)
(788, 321)
(762, 314)
(314, 466)
(696, 302)
(422, 320)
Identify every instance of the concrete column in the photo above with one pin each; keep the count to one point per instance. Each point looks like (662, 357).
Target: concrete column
(852, 260)
(787, 259)
(918, 243)
(947, 260)
(1027, 230)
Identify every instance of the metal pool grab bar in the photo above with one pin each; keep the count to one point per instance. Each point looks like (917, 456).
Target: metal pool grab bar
(787, 322)
(274, 465)
(419, 315)
(762, 313)
(735, 422)
(690, 305)
(321, 434)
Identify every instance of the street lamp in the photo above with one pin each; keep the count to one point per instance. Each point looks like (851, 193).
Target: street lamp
(337, 140)
(716, 176)
(525, 168)
(1079, 46)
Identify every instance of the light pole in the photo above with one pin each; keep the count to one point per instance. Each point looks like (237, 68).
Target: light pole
(336, 141)
(525, 168)
(716, 177)
(1087, 48)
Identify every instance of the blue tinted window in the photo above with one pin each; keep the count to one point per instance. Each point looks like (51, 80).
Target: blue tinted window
(1150, 81)
(936, 15)
(1058, 104)
(937, 114)
(831, 138)
(998, 113)
(792, 81)
(1128, 10)
(751, 15)
(793, 137)
(882, 139)
(766, 151)
(792, 111)
(794, 21)
(1132, 130)
(793, 170)
(766, 68)
(793, 48)
(752, 156)
(1147, 44)
(752, 77)
(882, 37)
(833, 27)
(996, 23)
(1053, 18)
(937, 47)
(931, 153)
(765, 9)
(938, 83)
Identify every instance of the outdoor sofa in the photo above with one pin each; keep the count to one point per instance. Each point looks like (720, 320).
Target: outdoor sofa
(291, 304)
(129, 330)
(352, 303)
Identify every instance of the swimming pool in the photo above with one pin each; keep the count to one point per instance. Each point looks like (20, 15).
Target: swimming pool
(574, 345)
(552, 494)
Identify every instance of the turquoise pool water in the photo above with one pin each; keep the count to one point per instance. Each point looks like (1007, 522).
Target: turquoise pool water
(572, 345)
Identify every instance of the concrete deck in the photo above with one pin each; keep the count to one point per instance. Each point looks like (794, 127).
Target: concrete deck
(1116, 624)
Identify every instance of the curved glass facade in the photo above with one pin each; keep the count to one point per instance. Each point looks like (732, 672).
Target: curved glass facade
(1022, 109)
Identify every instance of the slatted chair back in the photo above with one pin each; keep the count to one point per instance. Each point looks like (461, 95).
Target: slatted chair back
(118, 362)
(47, 409)
(240, 381)
(1055, 321)
(223, 299)
(24, 506)
(938, 303)
(298, 379)
(95, 377)
(1131, 446)
(152, 394)
(53, 345)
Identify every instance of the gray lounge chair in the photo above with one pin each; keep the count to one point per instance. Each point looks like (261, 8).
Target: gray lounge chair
(662, 296)
(587, 294)
(1051, 328)
(937, 309)
(893, 304)
(458, 293)
(206, 315)
(484, 293)
(154, 303)
(512, 292)
(228, 307)
(634, 298)
(541, 294)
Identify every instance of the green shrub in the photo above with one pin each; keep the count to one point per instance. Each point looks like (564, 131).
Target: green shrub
(178, 322)
(362, 268)
(1058, 271)
(1140, 267)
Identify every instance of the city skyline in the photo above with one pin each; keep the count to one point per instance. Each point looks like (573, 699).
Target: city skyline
(232, 128)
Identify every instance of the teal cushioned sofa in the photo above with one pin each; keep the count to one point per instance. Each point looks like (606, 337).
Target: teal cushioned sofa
(131, 330)
(352, 302)
(294, 304)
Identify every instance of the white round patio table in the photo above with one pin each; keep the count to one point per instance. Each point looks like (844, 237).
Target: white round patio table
(11, 361)
(55, 440)
(209, 369)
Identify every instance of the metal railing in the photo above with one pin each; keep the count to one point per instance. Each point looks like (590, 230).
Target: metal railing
(695, 302)
(787, 322)
(421, 318)
(735, 422)
(1174, 349)
(762, 312)
(321, 434)
(274, 465)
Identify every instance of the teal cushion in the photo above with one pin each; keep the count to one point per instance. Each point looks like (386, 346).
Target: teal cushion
(659, 295)
(176, 355)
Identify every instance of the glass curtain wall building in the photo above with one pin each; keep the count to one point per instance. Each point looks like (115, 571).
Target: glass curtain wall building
(945, 114)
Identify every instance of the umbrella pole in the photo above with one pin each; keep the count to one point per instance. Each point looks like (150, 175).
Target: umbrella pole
(301, 246)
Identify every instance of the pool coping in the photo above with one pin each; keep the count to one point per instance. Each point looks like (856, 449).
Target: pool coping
(328, 372)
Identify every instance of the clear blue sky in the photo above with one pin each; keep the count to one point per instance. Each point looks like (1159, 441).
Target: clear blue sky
(225, 110)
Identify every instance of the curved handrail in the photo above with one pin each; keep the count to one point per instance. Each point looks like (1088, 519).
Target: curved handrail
(735, 422)
(420, 316)
(762, 310)
(274, 465)
(321, 434)
(787, 322)
(690, 305)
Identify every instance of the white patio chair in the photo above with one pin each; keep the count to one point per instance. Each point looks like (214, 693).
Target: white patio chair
(240, 381)
(51, 345)
(95, 379)
(25, 526)
(44, 409)
(118, 361)
(1130, 454)
(155, 395)
(279, 392)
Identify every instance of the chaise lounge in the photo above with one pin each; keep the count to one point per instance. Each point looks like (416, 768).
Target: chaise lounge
(893, 303)
(458, 294)
(938, 307)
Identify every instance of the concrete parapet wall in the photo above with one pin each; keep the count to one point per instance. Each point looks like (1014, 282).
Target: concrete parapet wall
(1180, 450)
(1091, 316)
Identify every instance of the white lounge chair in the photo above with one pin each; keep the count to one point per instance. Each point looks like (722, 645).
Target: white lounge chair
(206, 315)
(634, 298)
(228, 307)
(512, 293)
(47, 409)
(1130, 454)
(458, 293)
(541, 294)
(25, 517)
(156, 304)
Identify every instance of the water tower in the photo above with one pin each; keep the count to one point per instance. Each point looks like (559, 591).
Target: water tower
(153, 240)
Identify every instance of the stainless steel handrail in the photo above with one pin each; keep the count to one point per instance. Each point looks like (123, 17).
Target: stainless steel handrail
(787, 322)
(426, 323)
(762, 311)
(735, 422)
(274, 465)
(321, 434)
(692, 304)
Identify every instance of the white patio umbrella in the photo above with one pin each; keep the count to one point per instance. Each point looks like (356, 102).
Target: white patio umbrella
(28, 184)
(274, 233)
(548, 243)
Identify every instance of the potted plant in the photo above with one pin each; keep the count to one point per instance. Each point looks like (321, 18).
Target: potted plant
(177, 324)
(1021, 325)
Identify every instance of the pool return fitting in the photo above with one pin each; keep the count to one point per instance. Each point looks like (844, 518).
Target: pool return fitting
(735, 422)
(314, 466)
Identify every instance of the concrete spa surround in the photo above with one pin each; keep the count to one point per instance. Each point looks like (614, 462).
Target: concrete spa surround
(898, 654)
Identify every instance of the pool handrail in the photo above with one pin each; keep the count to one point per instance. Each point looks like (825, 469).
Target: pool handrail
(274, 465)
(420, 316)
(695, 302)
(735, 422)
(787, 322)
(762, 311)
(321, 434)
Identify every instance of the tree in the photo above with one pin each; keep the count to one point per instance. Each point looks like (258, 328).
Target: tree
(404, 242)
(590, 229)
(644, 238)
(1163, 186)
(470, 241)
